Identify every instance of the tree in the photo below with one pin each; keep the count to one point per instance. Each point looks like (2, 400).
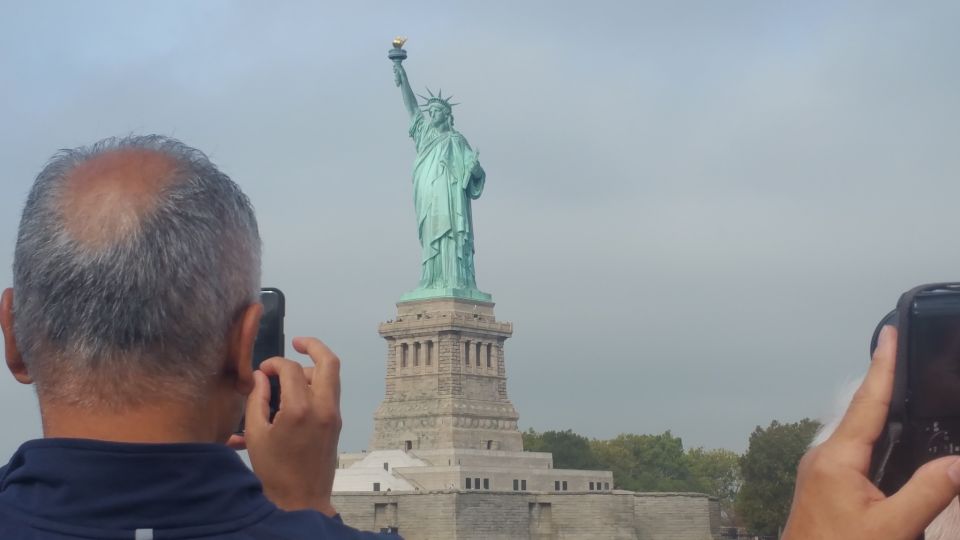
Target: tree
(645, 462)
(769, 470)
(570, 450)
(716, 472)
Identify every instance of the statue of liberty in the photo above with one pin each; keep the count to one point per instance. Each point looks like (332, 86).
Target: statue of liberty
(446, 177)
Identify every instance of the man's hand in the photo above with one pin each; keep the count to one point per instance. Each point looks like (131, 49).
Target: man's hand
(835, 500)
(295, 456)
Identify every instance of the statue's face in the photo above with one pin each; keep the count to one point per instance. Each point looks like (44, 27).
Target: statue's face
(438, 115)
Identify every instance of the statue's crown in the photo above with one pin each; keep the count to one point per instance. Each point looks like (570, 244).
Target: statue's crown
(437, 100)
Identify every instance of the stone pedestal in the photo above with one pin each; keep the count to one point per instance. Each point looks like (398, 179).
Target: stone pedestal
(446, 379)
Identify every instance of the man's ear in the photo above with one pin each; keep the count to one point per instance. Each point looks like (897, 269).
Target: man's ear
(243, 334)
(14, 359)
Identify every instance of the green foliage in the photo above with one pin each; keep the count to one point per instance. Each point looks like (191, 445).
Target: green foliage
(756, 487)
(716, 472)
(769, 473)
(570, 450)
(645, 462)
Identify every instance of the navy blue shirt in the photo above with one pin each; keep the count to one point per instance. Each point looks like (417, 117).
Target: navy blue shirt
(60, 489)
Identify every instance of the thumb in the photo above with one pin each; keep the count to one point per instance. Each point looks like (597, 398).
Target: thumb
(258, 403)
(929, 491)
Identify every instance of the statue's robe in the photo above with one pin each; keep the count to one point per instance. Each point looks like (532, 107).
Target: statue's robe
(444, 182)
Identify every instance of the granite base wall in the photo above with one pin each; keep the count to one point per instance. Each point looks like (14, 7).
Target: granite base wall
(459, 515)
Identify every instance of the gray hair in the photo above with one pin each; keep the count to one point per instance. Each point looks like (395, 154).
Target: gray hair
(113, 323)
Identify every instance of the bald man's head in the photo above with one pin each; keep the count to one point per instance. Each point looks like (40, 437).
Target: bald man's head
(132, 258)
(105, 197)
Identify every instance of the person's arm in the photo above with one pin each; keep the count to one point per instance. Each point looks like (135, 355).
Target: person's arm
(409, 99)
(834, 498)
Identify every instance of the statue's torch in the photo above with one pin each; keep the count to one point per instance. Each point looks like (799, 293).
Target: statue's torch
(397, 54)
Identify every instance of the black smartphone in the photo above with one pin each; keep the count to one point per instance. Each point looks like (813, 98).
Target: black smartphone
(923, 422)
(270, 340)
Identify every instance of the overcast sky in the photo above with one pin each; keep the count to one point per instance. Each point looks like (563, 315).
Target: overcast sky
(695, 212)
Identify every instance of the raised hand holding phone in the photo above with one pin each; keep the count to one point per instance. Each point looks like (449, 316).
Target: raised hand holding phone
(295, 454)
(834, 497)
(292, 419)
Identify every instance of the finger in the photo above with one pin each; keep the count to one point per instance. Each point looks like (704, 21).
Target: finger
(906, 513)
(867, 413)
(326, 374)
(257, 415)
(312, 347)
(237, 442)
(293, 384)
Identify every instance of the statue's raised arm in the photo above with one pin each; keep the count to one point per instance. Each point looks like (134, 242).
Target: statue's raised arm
(447, 177)
(398, 55)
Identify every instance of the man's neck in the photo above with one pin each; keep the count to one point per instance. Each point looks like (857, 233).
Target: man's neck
(166, 423)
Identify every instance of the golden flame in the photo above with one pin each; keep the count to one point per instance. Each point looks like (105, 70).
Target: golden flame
(398, 42)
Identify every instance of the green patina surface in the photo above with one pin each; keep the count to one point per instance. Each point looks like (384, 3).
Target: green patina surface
(423, 294)
(447, 176)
